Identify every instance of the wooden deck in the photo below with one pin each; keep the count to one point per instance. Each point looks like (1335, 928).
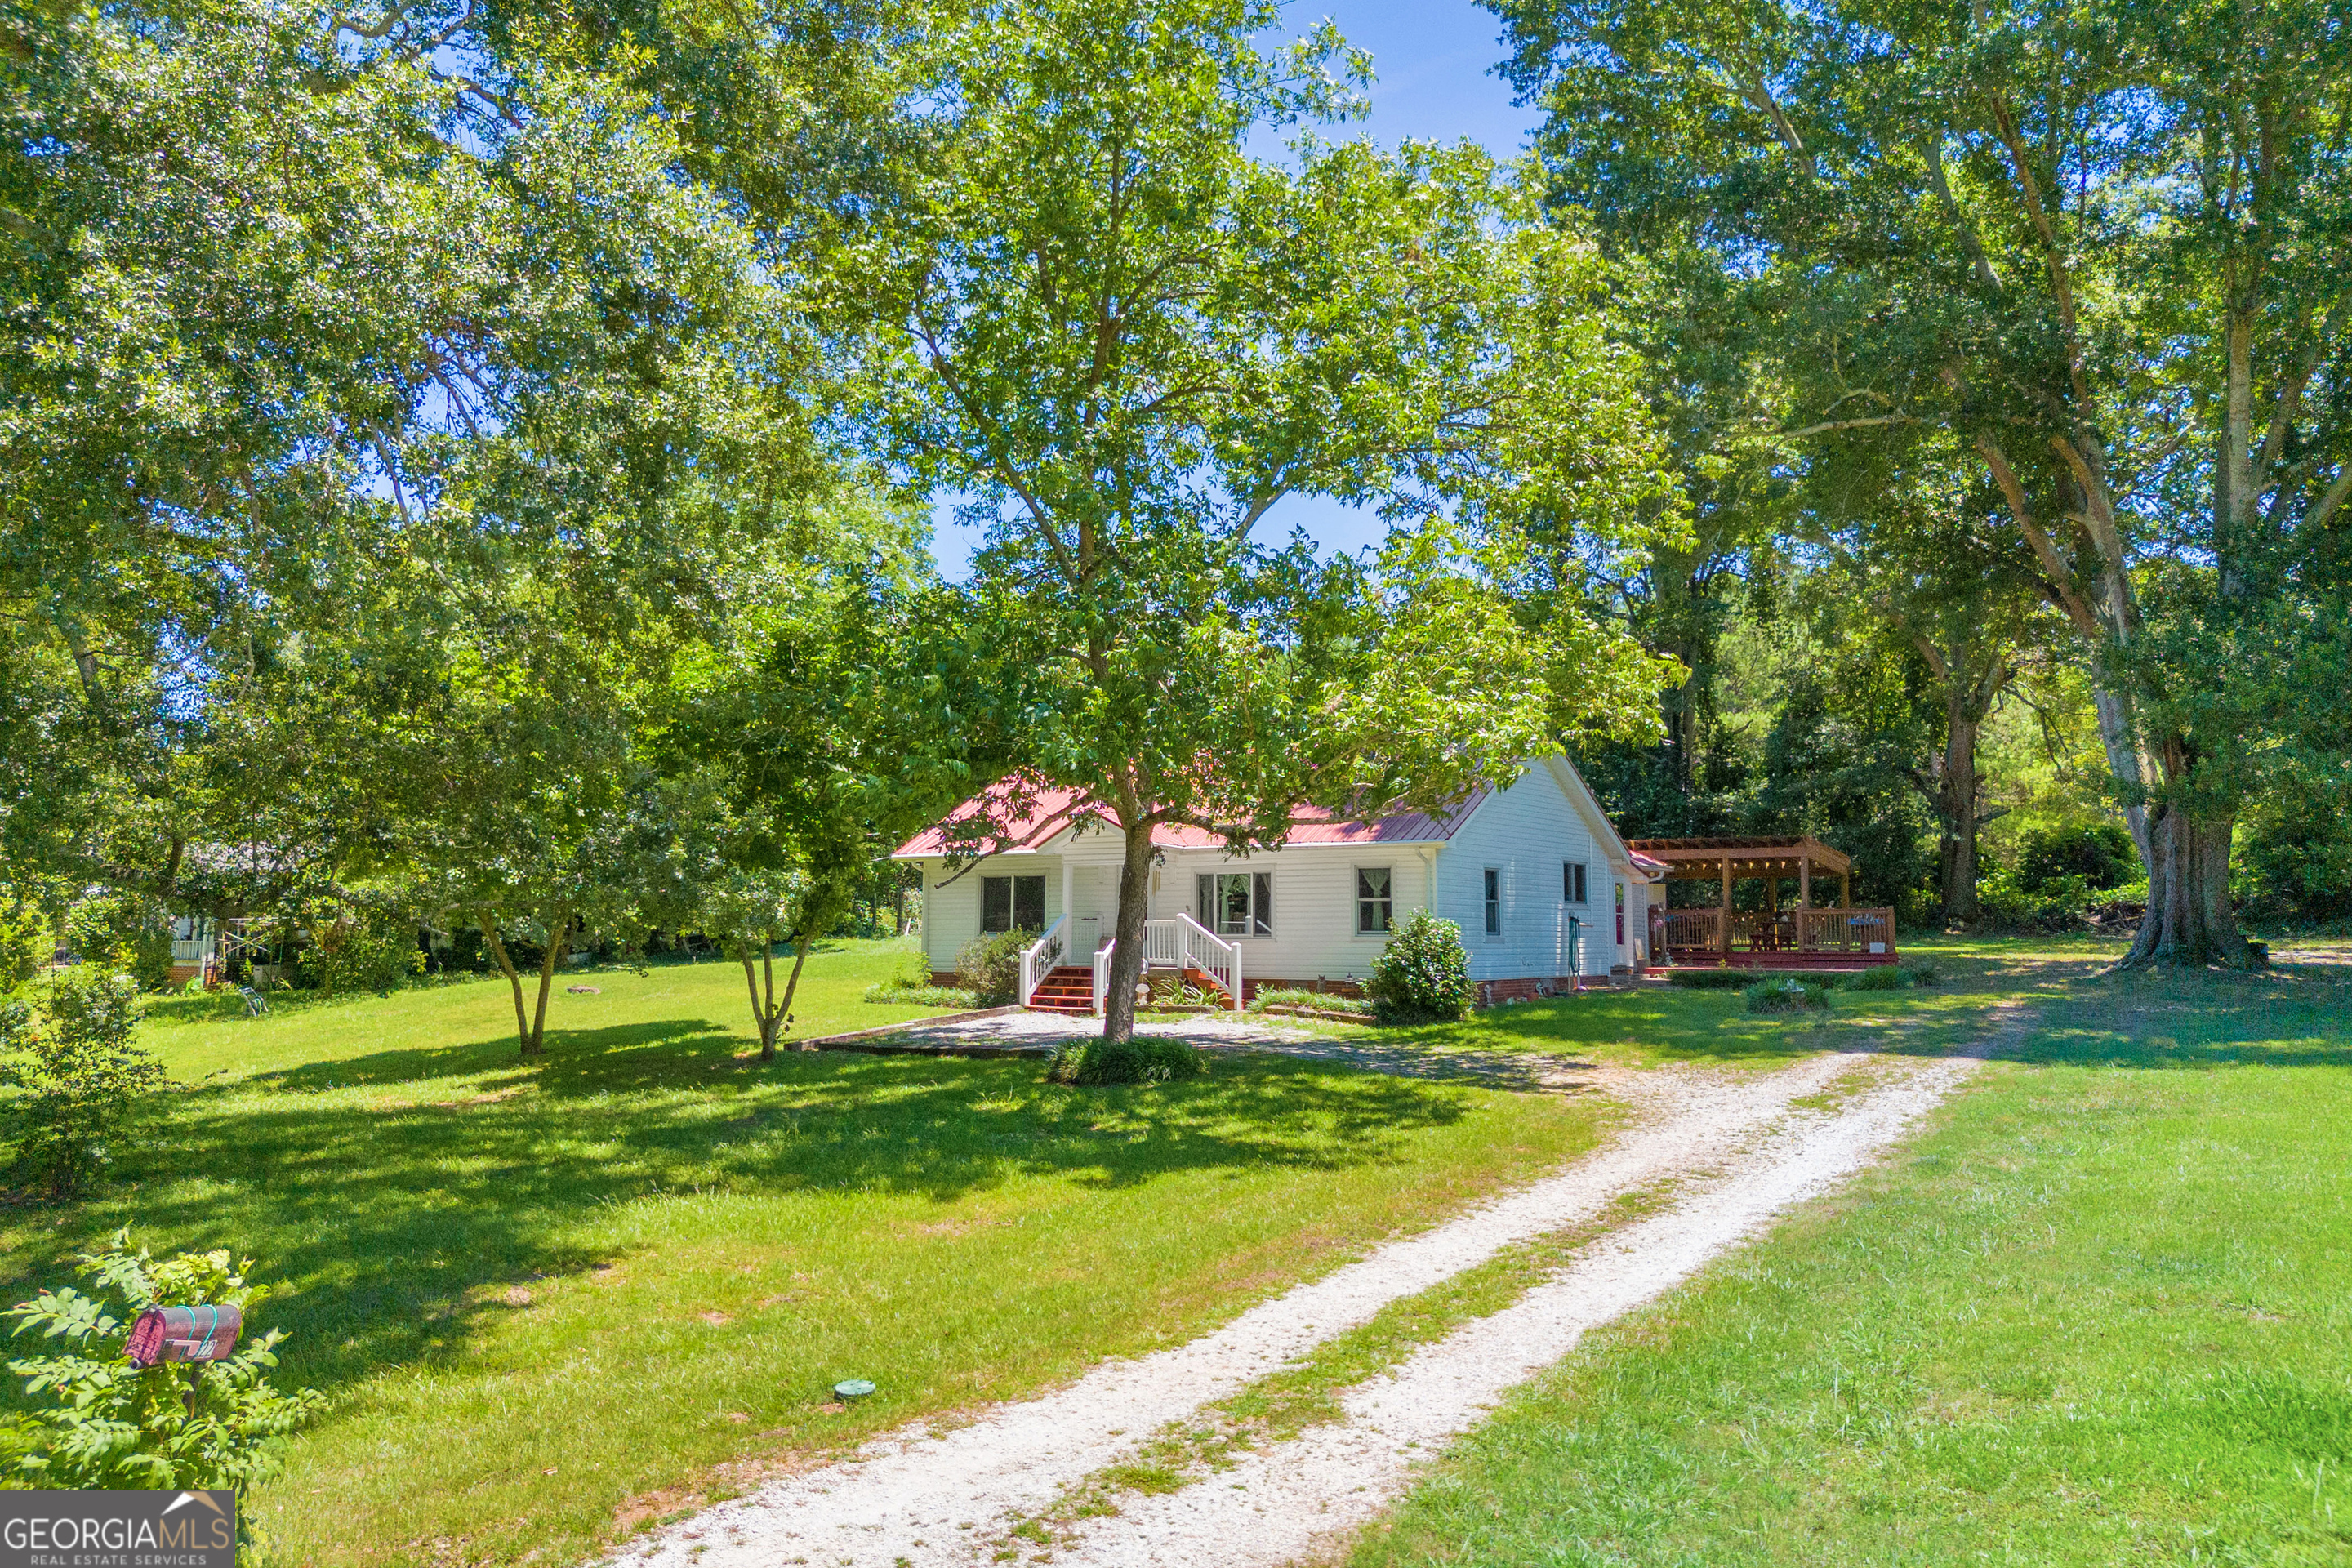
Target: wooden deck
(1785, 939)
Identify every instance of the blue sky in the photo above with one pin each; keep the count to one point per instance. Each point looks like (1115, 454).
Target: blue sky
(1432, 59)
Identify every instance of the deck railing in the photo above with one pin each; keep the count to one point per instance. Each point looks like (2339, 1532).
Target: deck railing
(1847, 931)
(1699, 932)
(1690, 931)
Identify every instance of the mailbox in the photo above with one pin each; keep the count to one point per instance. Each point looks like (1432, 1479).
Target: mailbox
(184, 1333)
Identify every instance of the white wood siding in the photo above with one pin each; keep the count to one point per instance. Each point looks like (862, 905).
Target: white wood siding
(1313, 904)
(1526, 832)
(951, 907)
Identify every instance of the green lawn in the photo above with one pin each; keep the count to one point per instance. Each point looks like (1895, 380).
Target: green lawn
(2100, 1312)
(202, 1034)
(553, 1301)
(1652, 1025)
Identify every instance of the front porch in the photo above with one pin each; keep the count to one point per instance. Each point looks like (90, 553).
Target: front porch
(1797, 936)
(1052, 981)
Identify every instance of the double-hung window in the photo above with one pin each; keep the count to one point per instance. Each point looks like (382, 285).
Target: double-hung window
(1375, 900)
(1494, 891)
(1571, 882)
(1237, 903)
(1012, 903)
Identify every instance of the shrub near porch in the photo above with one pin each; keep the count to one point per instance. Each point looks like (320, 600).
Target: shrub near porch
(554, 1301)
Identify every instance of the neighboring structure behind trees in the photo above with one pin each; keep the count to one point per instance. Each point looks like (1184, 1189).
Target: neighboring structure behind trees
(1529, 872)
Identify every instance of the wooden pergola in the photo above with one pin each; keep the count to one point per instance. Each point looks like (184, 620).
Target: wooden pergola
(1839, 934)
(1774, 860)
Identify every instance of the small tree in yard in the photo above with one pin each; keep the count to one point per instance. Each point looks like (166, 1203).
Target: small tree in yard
(1423, 975)
(75, 1071)
(797, 746)
(1093, 313)
(528, 819)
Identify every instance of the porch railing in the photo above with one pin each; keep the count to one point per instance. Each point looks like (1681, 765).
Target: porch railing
(1181, 944)
(1210, 954)
(1041, 957)
(1102, 972)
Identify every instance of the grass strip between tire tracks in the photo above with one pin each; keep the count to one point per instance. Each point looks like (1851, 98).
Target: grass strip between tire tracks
(1278, 1406)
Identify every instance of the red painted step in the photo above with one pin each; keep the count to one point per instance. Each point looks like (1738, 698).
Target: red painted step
(1065, 989)
(1069, 990)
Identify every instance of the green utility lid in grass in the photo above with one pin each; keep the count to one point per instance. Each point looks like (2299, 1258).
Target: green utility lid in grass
(851, 1388)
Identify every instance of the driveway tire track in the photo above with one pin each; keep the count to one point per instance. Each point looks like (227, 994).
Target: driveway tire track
(921, 1497)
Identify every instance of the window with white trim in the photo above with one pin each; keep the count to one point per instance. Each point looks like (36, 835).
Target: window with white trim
(1237, 903)
(1012, 903)
(1375, 900)
(1494, 891)
(1571, 882)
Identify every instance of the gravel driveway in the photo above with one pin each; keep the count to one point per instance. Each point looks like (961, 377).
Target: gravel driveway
(1740, 1148)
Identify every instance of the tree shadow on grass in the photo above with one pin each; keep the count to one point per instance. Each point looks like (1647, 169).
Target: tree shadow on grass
(401, 1194)
(2298, 1015)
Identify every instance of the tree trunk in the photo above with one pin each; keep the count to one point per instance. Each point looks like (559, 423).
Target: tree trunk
(1675, 709)
(1959, 809)
(2123, 763)
(1126, 957)
(514, 979)
(2189, 920)
(1968, 693)
(783, 1012)
(764, 1012)
(559, 947)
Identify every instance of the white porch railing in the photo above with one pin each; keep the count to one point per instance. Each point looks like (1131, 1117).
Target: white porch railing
(1041, 958)
(1210, 954)
(1102, 973)
(1181, 944)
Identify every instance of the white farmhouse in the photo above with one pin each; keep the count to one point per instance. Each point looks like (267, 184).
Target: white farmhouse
(1532, 872)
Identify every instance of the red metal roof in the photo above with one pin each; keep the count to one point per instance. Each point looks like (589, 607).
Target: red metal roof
(1049, 811)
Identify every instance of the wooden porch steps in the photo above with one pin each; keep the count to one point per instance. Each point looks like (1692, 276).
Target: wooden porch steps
(1065, 989)
(1071, 990)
